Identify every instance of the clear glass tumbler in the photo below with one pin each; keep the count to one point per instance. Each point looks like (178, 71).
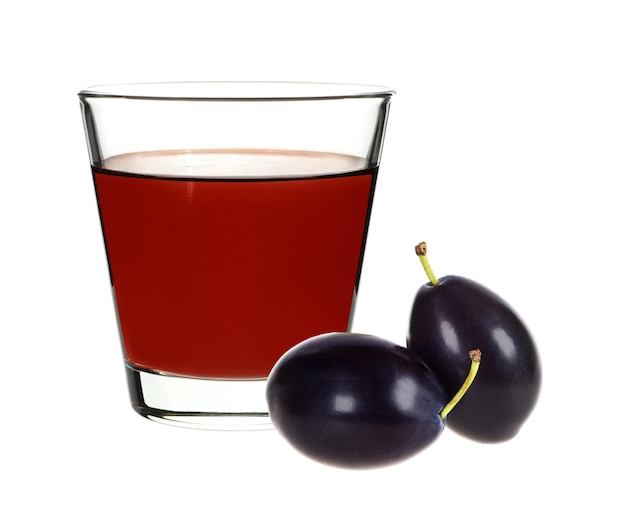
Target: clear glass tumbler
(234, 217)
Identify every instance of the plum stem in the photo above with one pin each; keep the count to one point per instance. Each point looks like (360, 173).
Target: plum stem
(475, 355)
(420, 250)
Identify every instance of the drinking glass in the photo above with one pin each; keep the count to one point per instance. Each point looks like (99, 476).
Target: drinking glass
(234, 217)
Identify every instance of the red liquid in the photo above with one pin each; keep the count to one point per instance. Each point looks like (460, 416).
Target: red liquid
(219, 277)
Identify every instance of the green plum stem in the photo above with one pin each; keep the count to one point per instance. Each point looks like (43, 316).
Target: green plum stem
(475, 355)
(420, 250)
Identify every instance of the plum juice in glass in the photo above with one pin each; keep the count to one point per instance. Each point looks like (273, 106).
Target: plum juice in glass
(234, 218)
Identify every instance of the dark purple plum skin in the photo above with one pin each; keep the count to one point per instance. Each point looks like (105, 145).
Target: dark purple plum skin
(457, 315)
(354, 401)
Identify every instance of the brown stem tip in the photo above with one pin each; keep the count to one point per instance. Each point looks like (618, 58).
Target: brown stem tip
(420, 249)
(475, 355)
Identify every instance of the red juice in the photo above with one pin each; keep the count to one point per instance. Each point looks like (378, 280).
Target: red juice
(216, 277)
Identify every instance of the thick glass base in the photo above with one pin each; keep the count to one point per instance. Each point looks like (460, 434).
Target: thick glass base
(199, 403)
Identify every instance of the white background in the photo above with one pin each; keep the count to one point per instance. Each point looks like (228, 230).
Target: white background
(505, 149)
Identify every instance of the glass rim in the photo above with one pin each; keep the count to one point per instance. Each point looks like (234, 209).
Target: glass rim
(236, 91)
